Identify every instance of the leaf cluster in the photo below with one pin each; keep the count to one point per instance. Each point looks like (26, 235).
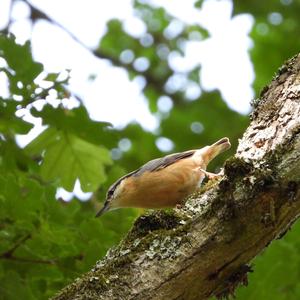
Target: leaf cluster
(46, 242)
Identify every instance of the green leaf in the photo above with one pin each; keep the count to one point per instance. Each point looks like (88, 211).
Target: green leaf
(23, 68)
(67, 157)
(25, 198)
(156, 18)
(114, 47)
(77, 122)
(198, 3)
(9, 122)
(13, 287)
(261, 9)
(152, 96)
(19, 59)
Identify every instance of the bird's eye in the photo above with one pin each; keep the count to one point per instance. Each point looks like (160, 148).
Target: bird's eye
(109, 194)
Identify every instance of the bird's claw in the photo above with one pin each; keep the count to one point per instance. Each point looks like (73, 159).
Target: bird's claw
(210, 175)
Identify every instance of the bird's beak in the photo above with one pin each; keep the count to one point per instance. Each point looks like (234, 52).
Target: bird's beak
(217, 148)
(104, 209)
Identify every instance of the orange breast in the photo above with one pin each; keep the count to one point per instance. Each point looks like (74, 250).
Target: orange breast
(163, 188)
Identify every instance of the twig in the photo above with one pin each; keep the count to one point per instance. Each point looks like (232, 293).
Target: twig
(7, 254)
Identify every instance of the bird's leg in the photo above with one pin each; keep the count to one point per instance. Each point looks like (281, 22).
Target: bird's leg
(210, 175)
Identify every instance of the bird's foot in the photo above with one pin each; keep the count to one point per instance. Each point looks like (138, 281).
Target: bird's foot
(210, 175)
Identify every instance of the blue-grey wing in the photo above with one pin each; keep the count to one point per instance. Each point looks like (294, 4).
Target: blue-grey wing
(163, 162)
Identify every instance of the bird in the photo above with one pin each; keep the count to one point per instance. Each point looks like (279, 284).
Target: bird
(164, 182)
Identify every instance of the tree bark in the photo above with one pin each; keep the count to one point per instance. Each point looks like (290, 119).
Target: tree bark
(203, 249)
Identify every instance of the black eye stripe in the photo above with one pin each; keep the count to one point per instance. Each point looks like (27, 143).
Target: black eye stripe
(110, 193)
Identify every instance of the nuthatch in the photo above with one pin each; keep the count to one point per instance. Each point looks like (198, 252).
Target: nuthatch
(163, 182)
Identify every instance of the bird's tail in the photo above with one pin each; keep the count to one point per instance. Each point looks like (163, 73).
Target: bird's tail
(217, 148)
(104, 209)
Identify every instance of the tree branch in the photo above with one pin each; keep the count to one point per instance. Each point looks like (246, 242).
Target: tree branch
(203, 249)
(10, 252)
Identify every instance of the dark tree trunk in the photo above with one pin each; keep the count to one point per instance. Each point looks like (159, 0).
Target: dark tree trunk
(203, 249)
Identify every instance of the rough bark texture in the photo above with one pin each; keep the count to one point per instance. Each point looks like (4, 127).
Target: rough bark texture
(203, 249)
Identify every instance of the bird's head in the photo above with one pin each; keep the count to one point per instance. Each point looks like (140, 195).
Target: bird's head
(112, 198)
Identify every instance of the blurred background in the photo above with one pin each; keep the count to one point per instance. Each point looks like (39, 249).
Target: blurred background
(90, 90)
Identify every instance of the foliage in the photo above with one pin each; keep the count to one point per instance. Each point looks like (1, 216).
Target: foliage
(274, 275)
(45, 242)
(274, 34)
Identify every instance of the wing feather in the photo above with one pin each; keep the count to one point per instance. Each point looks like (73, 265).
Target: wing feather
(161, 163)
